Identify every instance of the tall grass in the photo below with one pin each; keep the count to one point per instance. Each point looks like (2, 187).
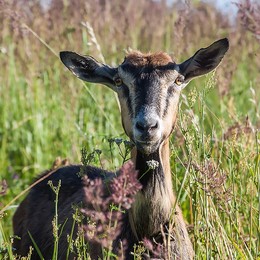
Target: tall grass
(46, 113)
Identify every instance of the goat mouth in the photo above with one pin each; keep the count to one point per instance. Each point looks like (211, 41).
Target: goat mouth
(147, 147)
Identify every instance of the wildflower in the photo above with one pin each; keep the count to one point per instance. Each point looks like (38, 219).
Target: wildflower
(105, 205)
(98, 151)
(118, 141)
(3, 187)
(125, 186)
(128, 144)
(152, 164)
(248, 15)
(156, 250)
(212, 180)
(192, 97)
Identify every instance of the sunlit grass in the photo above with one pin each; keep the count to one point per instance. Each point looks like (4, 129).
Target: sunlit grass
(46, 113)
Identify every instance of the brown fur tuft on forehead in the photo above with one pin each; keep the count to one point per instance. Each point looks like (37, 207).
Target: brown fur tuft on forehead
(137, 58)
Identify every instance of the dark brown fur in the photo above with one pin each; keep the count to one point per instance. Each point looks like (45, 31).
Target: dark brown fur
(137, 58)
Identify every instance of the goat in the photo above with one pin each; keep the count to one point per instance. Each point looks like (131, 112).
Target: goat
(148, 87)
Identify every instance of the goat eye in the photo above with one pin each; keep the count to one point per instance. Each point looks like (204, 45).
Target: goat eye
(118, 82)
(179, 80)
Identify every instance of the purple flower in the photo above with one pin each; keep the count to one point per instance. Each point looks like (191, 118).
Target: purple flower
(106, 204)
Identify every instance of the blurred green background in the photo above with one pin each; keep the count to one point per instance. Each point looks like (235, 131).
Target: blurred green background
(45, 112)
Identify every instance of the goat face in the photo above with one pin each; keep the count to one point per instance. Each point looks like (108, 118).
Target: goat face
(148, 88)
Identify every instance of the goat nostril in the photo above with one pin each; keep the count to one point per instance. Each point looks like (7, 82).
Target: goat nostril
(155, 126)
(140, 126)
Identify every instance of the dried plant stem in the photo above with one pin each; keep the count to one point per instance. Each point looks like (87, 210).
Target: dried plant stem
(94, 39)
(101, 56)
(40, 39)
(85, 86)
(55, 220)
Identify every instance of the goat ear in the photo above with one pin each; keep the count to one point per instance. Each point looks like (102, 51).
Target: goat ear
(88, 69)
(204, 60)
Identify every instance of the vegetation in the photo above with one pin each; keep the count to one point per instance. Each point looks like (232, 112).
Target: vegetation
(46, 113)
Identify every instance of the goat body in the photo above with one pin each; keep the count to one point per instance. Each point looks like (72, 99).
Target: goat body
(148, 87)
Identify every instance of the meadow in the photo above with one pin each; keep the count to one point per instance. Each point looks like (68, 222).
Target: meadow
(47, 113)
